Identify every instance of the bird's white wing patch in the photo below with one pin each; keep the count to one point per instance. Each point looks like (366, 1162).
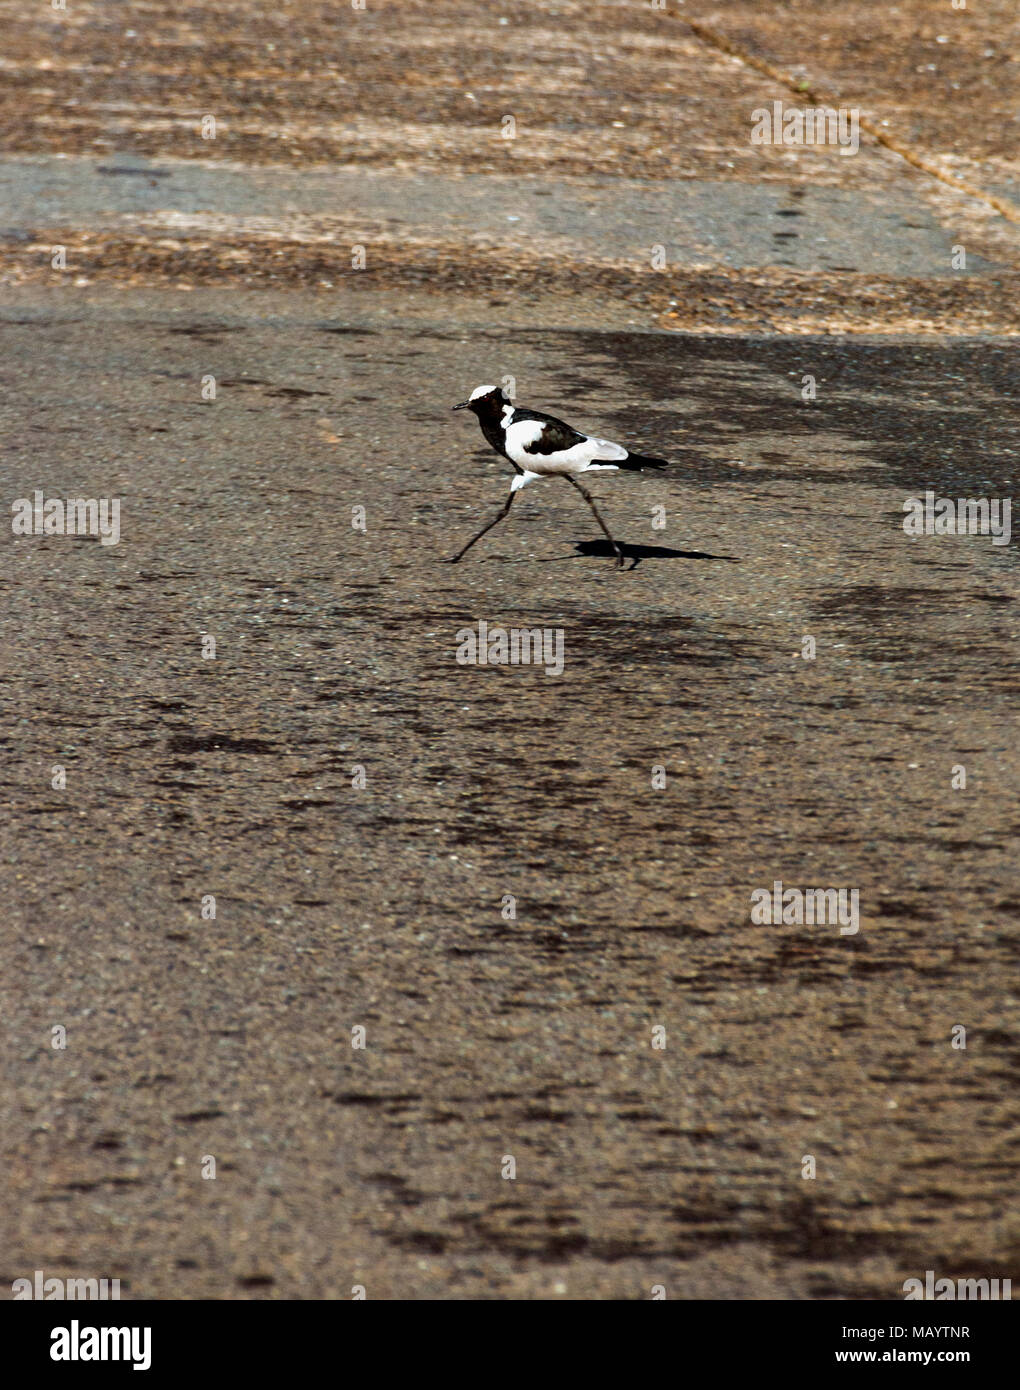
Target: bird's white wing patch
(518, 436)
(573, 460)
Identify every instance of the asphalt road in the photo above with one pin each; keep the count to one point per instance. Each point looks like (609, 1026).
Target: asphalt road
(340, 906)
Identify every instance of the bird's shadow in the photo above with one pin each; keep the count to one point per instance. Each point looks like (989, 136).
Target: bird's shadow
(637, 553)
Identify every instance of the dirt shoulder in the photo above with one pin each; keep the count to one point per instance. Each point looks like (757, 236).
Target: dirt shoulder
(606, 104)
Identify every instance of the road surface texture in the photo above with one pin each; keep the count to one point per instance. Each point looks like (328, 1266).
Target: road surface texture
(809, 351)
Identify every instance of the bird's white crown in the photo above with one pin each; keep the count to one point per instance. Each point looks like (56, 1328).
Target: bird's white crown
(480, 391)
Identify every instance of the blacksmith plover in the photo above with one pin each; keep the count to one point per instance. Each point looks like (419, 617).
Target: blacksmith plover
(540, 446)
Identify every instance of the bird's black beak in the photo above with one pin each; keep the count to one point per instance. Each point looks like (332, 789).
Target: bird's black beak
(463, 405)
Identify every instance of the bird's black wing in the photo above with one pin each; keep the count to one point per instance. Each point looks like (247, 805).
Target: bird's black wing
(555, 437)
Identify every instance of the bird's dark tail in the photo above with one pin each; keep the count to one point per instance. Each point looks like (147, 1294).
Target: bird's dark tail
(634, 463)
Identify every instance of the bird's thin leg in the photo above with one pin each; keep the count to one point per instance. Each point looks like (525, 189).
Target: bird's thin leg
(591, 503)
(461, 553)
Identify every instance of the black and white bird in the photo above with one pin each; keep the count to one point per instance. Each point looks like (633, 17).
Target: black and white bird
(540, 446)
